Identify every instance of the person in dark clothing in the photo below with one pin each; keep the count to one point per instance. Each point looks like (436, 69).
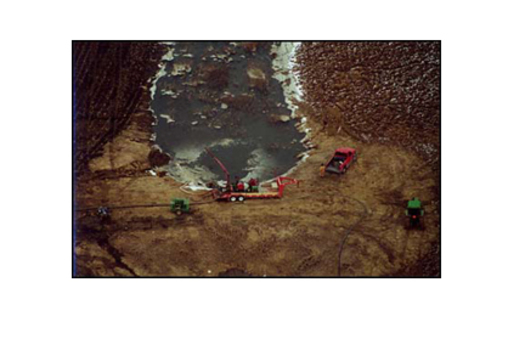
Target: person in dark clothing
(104, 214)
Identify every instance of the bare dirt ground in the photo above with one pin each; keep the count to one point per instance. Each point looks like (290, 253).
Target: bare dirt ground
(298, 235)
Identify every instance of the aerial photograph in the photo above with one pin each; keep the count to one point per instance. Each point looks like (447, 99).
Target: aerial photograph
(256, 159)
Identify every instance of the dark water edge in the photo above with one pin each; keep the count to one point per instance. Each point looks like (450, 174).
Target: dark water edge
(222, 96)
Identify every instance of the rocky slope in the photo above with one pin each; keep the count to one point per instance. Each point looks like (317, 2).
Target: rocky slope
(387, 92)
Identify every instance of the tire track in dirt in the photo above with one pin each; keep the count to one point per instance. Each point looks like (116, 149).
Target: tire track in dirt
(116, 254)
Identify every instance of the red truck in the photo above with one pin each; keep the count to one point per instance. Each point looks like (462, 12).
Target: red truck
(341, 160)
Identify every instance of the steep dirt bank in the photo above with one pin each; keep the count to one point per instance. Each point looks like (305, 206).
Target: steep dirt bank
(386, 92)
(109, 84)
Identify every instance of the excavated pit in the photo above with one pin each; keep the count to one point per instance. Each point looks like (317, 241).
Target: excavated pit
(223, 96)
(318, 228)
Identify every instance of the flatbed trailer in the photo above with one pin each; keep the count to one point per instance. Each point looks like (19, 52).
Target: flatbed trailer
(228, 193)
(232, 196)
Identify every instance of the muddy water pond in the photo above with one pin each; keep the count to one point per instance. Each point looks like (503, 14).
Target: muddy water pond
(222, 96)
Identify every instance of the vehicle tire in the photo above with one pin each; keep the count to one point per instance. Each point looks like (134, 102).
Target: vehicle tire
(233, 199)
(241, 199)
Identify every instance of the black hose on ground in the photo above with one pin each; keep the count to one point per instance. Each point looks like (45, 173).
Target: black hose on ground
(140, 206)
(363, 215)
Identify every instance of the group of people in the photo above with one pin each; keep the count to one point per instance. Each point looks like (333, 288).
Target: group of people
(104, 214)
(241, 186)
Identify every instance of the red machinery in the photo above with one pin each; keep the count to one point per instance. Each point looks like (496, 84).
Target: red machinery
(228, 194)
(228, 184)
(231, 196)
(341, 160)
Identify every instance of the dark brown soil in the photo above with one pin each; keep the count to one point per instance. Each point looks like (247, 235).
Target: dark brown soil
(109, 82)
(234, 273)
(157, 158)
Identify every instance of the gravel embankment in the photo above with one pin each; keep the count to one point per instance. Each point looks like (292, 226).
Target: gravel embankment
(386, 92)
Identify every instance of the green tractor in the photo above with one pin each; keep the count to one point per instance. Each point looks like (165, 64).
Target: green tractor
(180, 205)
(414, 212)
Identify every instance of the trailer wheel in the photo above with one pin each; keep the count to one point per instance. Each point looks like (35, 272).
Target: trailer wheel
(241, 199)
(233, 199)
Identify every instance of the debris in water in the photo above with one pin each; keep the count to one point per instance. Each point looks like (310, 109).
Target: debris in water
(167, 117)
(167, 92)
(180, 69)
(237, 100)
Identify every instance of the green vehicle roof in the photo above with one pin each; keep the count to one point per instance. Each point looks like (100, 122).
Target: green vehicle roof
(178, 200)
(414, 204)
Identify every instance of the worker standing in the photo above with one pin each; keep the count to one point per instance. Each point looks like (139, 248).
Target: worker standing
(240, 186)
(252, 184)
(322, 169)
(235, 186)
(104, 215)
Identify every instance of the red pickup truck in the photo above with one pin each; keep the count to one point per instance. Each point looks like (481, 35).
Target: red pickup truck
(341, 160)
